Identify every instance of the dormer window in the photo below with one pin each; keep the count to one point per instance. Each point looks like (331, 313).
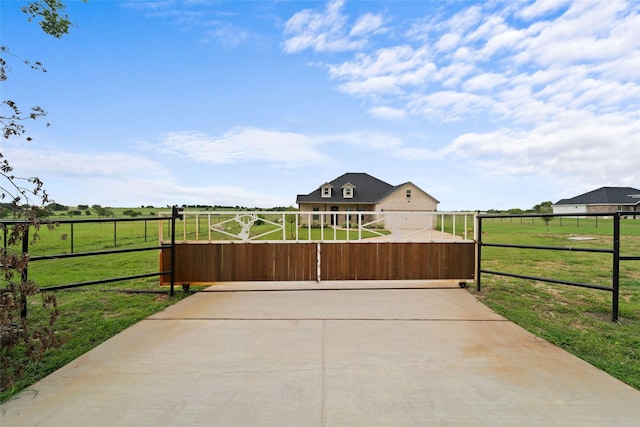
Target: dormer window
(347, 191)
(325, 191)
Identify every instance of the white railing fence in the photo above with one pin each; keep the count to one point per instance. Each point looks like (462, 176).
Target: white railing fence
(252, 226)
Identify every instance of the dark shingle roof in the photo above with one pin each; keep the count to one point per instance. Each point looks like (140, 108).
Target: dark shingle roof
(368, 189)
(605, 196)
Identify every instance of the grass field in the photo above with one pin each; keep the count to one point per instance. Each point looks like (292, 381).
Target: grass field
(576, 319)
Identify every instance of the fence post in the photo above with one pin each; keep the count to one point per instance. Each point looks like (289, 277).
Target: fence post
(175, 214)
(478, 251)
(25, 272)
(284, 226)
(616, 268)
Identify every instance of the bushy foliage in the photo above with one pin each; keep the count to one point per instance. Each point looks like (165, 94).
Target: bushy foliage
(102, 212)
(21, 345)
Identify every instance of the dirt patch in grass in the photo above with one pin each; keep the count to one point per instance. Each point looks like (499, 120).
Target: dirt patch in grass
(604, 317)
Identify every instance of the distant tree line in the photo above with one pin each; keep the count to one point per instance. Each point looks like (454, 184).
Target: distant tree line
(7, 210)
(239, 208)
(542, 208)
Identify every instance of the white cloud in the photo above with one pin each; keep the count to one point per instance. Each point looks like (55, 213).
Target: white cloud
(484, 82)
(106, 178)
(286, 149)
(367, 24)
(587, 32)
(226, 34)
(541, 8)
(453, 74)
(370, 140)
(624, 68)
(415, 154)
(557, 80)
(385, 71)
(448, 106)
(37, 162)
(465, 19)
(282, 149)
(489, 62)
(387, 113)
(505, 39)
(323, 30)
(120, 179)
(587, 152)
(448, 42)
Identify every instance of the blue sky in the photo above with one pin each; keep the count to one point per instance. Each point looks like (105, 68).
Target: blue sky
(495, 104)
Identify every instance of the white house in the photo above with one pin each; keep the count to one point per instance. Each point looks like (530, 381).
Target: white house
(361, 192)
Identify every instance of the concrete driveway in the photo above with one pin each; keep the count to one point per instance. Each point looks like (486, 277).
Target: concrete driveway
(328, 354)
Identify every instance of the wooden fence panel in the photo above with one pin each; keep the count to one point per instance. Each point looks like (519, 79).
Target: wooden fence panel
(395, 260)
(229, 262)
(295, 261)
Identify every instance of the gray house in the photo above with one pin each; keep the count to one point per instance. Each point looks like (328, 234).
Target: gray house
(358, 192)
(604, 199)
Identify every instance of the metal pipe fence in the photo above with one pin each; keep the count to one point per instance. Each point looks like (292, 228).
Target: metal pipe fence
(57, 253)
(613, 251)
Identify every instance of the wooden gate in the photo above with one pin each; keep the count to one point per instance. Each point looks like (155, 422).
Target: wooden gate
(211, 262)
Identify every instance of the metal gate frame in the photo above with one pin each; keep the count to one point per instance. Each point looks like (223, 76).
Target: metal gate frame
(614, 251)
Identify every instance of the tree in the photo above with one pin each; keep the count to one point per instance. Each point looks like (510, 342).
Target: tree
(102, 212)
(57, 207)
(545, 208)
(21, 344)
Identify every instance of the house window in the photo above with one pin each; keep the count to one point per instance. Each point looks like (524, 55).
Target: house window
(326, 191)
(347, 191)
(408, 194)
(316, 217)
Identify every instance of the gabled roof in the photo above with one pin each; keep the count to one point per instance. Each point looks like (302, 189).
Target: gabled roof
(606, 196)
(369, 190)
(409, 183)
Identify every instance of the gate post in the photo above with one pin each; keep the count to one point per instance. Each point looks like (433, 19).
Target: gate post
(616, 268)
(25, 273)
(176, 213)
(478, 251)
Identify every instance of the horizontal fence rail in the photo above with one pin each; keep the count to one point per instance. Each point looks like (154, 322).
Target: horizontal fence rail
(71, 239)
(249, 226)
(613, 251)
